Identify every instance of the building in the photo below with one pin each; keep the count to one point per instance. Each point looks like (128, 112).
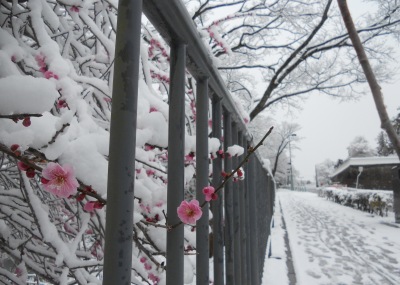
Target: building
(372, 172)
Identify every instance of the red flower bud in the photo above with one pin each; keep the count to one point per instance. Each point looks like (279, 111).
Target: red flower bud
(80, 197)
(30, 172)
(26, 122)
(98, 205)
(44, 180)
(14, 147)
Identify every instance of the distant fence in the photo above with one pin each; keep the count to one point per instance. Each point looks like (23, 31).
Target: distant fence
(241, 220)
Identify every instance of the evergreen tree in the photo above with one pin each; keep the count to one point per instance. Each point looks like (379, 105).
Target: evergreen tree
(384, 147)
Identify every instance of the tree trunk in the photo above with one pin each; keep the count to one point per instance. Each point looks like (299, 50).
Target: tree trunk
(375, 89)
(396, 193)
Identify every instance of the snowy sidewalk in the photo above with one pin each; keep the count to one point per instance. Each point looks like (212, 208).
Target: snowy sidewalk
(332, 244)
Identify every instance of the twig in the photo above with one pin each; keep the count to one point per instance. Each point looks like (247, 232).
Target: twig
(58, 133)
(155, 225)
(19, 116)
(149, 165)
(250, 151)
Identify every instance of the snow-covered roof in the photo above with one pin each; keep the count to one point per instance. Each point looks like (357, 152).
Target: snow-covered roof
(364, 161)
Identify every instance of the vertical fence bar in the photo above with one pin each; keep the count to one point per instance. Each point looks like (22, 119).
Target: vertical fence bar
(121, 168)
(247, 210)
(261, 201)
(176, 142)
(217, 206)
(252, 178)
(236, 213)
(263, 223)
(242, 206)
(229, 236)
(202, 233)
(270, 200)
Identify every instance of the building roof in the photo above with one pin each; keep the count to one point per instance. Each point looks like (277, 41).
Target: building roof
(364, 161)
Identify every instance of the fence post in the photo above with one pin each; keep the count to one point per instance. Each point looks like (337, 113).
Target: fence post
(247, 209)
(263, 219)
(229, 236)
(202, 225)
(121, 169)
(217, 206)
(236, 213)
(252, 178)
(242, 218)
(176, 142)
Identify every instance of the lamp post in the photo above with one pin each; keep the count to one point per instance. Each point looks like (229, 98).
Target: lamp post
(360, 169)
(290, 162)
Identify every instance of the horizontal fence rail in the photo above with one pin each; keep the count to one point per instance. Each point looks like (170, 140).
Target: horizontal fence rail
(243, 212)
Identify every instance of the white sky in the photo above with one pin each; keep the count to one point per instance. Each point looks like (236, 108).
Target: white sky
(328, 126)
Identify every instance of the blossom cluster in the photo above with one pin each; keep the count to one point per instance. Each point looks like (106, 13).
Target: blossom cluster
(155, 44)
(148, 267)
(43, 68)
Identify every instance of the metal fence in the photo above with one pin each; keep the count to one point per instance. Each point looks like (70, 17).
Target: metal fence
(241, 220)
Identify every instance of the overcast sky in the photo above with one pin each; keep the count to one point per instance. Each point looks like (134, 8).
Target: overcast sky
(328, 126)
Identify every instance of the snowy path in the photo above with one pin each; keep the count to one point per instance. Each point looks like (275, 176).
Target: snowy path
(333, 244)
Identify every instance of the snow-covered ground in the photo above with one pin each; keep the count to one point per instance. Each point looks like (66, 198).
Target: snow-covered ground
(332, 244)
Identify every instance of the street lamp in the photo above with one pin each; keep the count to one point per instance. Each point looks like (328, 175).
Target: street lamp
(360, 169)
(290, 162)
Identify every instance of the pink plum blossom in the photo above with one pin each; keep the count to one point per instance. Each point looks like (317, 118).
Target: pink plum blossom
(209, 192)
(147, 266)
(189, 212)
(60, 180)
(189, 157)
(49, 74)
(148, 147)
(40, 61)
(154, 278)
(150, 172)
(89, 206)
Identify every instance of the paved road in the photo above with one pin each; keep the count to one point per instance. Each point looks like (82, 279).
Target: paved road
(336, 245)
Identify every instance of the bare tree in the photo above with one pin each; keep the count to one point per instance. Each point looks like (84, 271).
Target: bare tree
(276, 148)
(295, 48)
(323, 170)
(359, 147)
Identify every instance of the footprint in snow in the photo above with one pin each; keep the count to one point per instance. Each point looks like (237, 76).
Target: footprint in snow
(313, 274)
